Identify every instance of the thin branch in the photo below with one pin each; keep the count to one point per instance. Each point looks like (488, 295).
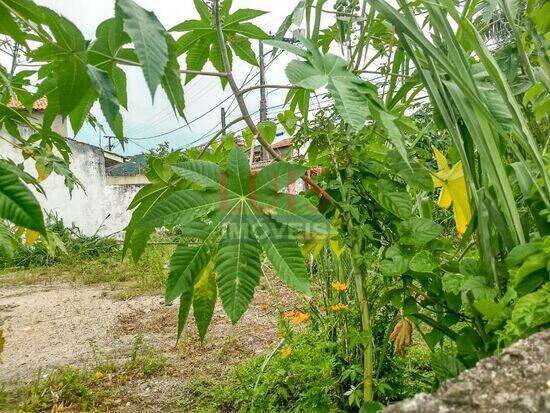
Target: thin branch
(218, 134)
(198, 72)
(251, 88)
(242, 104)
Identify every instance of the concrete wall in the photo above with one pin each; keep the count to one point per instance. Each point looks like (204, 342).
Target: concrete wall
(99, 208)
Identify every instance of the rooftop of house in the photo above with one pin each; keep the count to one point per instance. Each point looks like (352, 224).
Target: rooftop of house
(134, 165)
(39, 105)
(284, 143)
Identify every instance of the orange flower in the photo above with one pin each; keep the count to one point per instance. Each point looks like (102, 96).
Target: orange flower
(339, 307)
(289, 314)
(286, 352)
(338, 286)
(300, 318)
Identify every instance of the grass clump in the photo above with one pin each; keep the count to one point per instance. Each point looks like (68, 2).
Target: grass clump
(70, 256)
(96, 389)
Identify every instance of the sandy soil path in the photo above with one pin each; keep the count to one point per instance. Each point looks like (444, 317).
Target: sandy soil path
(48, 326)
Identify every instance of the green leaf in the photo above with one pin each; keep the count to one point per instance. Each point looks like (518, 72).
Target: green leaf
(452, 283)
(201, 173)
(387, 121)
(422, 262)
(6, 244)
(277, 176)
(398, 203)
(147, 34)
(204, 299)
(197, 57)
(25, 8)
(72, 83)
(345, 88)
(203, 9)
(241, 15)
(217, 60)
(248, 212)
(195, 25)
(268, 130)
(186, 264)
(81, 111)
(185, 304)
(238, 267)
(294, 211)
(10, 27)
(531, 264)
(171, 81)
(247, 30)
(180, 208)
(281, 248)
(445, 366)
(418, 231)
(238, 171)
(288, 47)
(17, 203)
(243, 49)
(288, 120)
(395, 263)
(531, 311)
(107, 96)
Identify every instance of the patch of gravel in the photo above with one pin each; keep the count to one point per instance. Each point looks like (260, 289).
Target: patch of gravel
(518, 380)
(49, 326)
(57, 325)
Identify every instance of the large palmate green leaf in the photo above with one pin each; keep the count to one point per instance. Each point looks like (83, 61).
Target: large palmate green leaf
(230, 221)
(354, 98)
(201, 41)
(17, 203)
(148, 37)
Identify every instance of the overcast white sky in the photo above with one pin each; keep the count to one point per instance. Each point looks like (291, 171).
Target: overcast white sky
(143, 118)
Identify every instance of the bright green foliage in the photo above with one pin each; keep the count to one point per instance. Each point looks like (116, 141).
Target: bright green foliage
(201, 42)
(17, 203)
(147, 34)
(267, 129)
(241, 216)
(354, 98)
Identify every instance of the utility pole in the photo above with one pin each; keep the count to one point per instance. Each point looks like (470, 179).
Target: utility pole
(109, 145)
(224, 124)
(263, 99)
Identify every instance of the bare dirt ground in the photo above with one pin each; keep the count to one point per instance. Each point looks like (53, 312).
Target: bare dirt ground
(56, 325)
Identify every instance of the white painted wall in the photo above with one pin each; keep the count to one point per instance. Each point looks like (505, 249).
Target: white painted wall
(100, 208)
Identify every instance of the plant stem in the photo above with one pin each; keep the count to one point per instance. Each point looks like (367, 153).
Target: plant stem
(366, 327)
(242, 104)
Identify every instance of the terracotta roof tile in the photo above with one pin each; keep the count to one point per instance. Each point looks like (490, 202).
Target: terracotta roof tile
(39, 105)
(285, 143)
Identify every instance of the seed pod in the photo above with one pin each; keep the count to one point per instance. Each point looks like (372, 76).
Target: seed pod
(402, 335)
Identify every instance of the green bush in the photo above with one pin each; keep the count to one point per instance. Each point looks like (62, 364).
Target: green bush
(301, 380)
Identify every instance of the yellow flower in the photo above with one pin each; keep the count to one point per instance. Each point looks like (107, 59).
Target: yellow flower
(31, 237)
(339, 307)
(453, 190)
(289, 314)
(300, 318)
(337, 285)
(98, 375)
(286, 352)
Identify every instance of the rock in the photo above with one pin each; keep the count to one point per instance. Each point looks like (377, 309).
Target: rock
(518, 380)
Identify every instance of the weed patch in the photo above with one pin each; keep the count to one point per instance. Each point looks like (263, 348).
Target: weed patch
(89, 390)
